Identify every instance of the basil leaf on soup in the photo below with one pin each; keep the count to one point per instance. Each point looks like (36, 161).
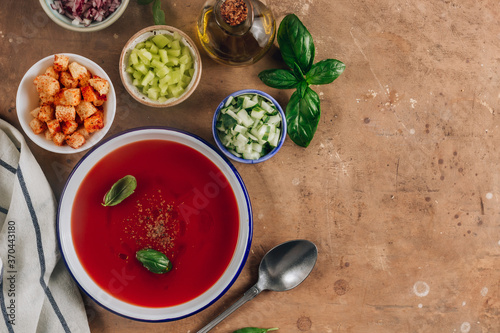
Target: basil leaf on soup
(296, 43)
(325, 71)
(120, 190)
(154, 261)
(302, 116)
(279, 78)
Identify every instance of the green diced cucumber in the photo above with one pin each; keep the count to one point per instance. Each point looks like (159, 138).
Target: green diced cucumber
(169, 61)
(249, 126)
(160, 41)
(147, 78)
(133, 59)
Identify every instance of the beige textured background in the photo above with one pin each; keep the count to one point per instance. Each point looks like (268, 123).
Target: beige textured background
(399, 188)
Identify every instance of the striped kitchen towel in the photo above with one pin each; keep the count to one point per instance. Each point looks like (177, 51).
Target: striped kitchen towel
(37, 293)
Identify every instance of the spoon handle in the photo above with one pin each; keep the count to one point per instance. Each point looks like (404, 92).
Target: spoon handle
(247, 296)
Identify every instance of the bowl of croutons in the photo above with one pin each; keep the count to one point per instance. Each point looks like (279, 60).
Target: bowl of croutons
(66, 103)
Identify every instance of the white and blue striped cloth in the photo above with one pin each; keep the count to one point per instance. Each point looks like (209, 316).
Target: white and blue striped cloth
(37, 293)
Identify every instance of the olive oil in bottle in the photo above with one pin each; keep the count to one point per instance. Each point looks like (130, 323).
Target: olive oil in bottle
(236, 32)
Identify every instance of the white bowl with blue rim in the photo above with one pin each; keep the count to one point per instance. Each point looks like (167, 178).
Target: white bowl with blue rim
(225, 150)
(107, 299)
(69, 23)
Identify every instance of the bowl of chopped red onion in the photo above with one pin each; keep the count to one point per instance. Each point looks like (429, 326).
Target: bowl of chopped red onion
(84, 15)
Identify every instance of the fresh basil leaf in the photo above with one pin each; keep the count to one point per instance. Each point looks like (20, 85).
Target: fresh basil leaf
(144, 2)
(120, 190)
(302, 116)
(301, 88)
(297, 72)
(158, 13)
(255, 330)
(279, 78)
(296, 43)
(325, 71)
(155, 261)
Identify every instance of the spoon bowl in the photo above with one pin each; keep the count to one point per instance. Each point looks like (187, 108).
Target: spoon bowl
(282, 268)
(285, 266)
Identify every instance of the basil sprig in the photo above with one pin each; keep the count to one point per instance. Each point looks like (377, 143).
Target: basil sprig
(255, 330)
(158, 13)
(154, 261)
(297, 49)
(120, 190)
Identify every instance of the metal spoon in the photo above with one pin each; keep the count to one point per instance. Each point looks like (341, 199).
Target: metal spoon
(284, 267)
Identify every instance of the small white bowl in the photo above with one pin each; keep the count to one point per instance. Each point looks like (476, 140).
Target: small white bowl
(27, 100)
(144, 35)
(66, 22)
(109, 300)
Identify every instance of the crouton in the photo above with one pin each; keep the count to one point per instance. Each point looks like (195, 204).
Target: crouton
(46, 85)
(69, 127)
(100, 100)
(75, 140)
(53, 126)
(34, 112)
(71, 97)
(85, 109)
(46, 99)
(65, 113)
(37, 126)
(61, 62)
(58, 138)
(50, 71)
(99, 84)
(77, 71)
(48, 135)
(94, 122)
(83, 132)
(67, 80)
(84, 81)
(46, 113)
(89, 94)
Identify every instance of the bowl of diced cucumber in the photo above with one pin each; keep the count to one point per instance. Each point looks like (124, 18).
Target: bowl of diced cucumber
(160, 66)
(249, 126)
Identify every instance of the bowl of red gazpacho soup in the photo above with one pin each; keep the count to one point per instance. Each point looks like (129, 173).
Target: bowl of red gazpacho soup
(189, 205)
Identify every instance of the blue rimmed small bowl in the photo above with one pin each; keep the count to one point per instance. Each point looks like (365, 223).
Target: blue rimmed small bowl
(240, 159)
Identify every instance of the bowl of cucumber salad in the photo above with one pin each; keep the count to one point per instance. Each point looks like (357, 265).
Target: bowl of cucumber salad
(249, 126)
(160, 66)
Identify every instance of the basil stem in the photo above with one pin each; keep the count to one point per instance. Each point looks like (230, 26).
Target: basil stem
(255, 330)
(155, 261)
(120, 190)
(296, 43)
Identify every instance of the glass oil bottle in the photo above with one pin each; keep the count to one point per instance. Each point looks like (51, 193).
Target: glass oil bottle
(237, 39)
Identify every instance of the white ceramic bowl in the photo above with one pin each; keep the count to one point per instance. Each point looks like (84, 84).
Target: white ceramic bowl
(142, 36)
(108, 300)
(66, 22)
(27, 100)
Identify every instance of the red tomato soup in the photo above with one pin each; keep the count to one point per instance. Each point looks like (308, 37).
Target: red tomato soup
(183, 206)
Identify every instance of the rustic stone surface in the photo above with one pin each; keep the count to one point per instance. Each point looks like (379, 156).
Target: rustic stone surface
(399, 188)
